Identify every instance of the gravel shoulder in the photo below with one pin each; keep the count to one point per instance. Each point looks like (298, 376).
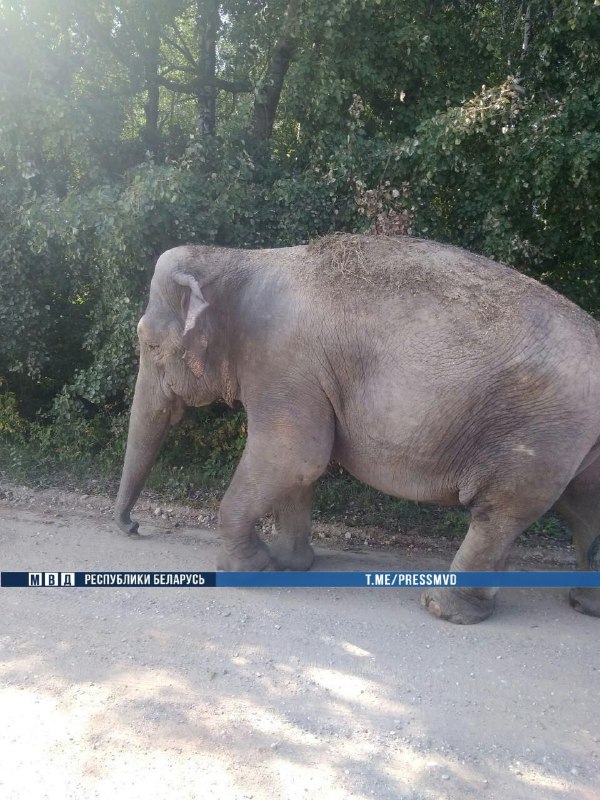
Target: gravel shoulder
(297, 693)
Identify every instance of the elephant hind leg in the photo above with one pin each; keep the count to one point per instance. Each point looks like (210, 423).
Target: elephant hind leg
(485, 547)
(499, 513)
(579, 507)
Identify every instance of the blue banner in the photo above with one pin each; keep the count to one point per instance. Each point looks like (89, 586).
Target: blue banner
(379, 579)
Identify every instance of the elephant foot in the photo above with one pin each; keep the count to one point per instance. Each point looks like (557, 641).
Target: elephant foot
(461, 606)
(586, 600)
(127, 525)
(298, 559)
(259, 561)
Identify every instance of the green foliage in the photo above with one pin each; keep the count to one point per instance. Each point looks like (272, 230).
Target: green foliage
(404, 59)
(203, 451)
(471, 123)
(514, 172)
(11, 421)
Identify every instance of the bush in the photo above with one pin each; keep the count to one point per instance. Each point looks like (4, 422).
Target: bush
(512, 172)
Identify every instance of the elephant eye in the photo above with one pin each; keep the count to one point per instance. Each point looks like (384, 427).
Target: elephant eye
(152, 346)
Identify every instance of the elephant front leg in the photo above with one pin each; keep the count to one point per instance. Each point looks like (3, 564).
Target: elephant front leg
(243, 504)
(273, 475)
(292, 522)
(252, 494)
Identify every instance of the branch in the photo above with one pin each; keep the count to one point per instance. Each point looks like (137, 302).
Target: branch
(181, 49)
(184, 44)
(235, 87)
(179, 68)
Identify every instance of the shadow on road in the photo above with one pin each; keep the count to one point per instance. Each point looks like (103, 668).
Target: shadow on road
(300, 693)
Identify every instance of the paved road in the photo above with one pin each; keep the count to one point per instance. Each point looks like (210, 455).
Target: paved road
(258, 693)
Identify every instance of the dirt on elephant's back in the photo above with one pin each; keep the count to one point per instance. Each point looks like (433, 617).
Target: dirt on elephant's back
(399, 260)
(403, 265)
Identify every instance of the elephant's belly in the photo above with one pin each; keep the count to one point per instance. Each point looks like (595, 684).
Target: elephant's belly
(412, 476)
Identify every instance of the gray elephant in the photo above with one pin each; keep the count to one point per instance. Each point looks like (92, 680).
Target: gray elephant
(426, 371)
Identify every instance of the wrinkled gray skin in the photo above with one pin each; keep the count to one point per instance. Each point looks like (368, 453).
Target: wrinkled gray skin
(427, 372)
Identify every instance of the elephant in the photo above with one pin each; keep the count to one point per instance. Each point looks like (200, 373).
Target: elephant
(426, 371)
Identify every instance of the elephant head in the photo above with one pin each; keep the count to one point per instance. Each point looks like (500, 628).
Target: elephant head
(182, 363)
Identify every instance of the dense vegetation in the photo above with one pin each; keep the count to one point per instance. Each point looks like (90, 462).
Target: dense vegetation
(127, 128)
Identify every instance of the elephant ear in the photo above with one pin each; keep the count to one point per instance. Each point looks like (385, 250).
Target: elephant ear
(195, 336)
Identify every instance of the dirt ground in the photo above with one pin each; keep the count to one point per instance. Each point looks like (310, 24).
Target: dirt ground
(280, 693)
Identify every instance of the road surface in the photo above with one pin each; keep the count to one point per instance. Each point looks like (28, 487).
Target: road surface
(288, 693)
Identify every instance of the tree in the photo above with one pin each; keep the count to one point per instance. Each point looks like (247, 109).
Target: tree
(268, 93)
(127, 128)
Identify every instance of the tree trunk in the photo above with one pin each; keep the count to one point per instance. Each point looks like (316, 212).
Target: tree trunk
(267, 96)
(151, 61)
(207, 21)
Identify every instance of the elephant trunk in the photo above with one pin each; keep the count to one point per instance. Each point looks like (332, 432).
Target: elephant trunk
(151, 415)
